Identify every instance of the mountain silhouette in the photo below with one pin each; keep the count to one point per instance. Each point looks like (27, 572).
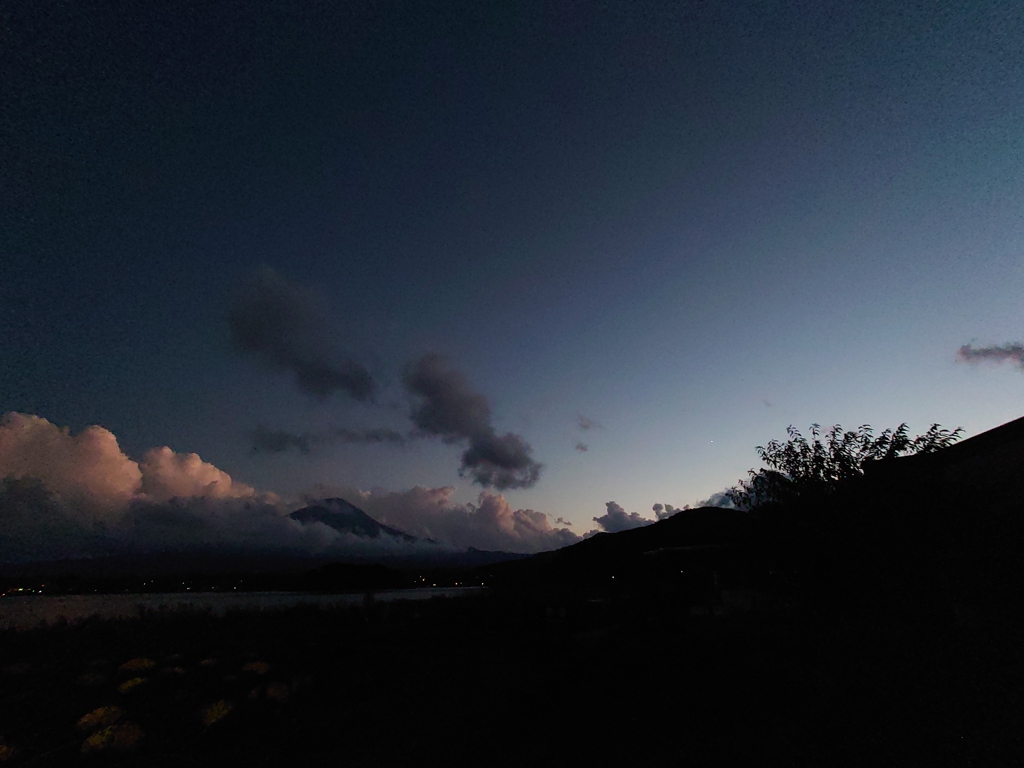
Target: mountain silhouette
(697, 539)
(347, 518)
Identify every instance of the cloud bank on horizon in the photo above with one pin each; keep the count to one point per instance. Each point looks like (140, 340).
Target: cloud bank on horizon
(64, 495)
(616, 519)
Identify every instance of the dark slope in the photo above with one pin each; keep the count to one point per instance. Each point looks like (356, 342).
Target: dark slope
(703, 540)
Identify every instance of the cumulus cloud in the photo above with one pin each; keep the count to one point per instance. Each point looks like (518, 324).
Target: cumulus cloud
(278, 441)
(167, 475)
(64, 495)
(446, 406)
(720, 499)
(616, 519)
(665, 511)
(490, 524)
(88, 469)
(1010, 352)
(500, 461)
(279, 324)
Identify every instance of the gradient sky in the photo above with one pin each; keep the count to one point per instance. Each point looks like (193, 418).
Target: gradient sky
(691, 224)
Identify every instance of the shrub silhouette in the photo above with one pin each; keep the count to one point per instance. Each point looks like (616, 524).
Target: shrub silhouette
(802, 469)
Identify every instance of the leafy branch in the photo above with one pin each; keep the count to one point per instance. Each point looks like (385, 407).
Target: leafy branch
(802, 468)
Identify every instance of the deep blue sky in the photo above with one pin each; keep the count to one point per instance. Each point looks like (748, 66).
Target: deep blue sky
(693, 223)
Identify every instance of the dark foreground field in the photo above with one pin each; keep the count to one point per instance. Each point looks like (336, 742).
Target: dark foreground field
(502, 681)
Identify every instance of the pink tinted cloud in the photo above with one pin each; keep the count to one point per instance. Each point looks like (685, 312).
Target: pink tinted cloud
(90, 469)
(86, 469)
(167, 475)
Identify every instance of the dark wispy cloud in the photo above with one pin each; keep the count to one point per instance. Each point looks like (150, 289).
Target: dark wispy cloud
(265, 440)
(445, 406)
(1010, 352)
(616, 519)
(279, 324)
(585, 424)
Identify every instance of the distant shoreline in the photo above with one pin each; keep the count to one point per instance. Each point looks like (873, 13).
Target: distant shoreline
(32, 611)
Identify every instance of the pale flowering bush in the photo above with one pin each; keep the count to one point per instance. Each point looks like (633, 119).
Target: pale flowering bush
(216, 712)
(7, 751)
(140, 664)
(123, 737)
(99, 718)
(130, 685)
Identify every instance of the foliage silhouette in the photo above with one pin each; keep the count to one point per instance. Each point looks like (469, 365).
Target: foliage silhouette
(801, 469)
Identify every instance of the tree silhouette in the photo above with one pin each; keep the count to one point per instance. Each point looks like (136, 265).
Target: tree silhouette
(802, 469)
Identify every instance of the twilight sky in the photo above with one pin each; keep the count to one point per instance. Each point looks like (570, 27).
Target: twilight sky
(568, 253)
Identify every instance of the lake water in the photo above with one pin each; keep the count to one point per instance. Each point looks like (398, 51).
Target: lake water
(25, 612)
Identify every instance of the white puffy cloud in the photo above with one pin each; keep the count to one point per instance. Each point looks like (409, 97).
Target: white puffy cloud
(720, 499)
(616, 519)
(665, 511)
